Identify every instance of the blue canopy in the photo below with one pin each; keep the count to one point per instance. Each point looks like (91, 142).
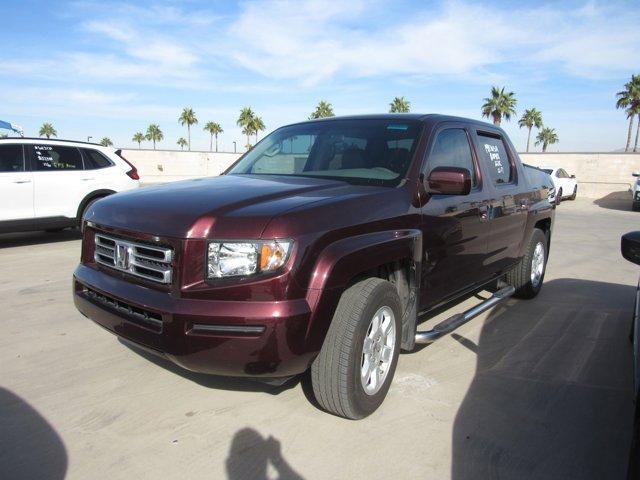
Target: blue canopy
(10, 126)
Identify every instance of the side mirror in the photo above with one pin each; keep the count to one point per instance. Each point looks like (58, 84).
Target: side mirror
(636, 174)
(449, 181)
(630, 246)
(573, 176)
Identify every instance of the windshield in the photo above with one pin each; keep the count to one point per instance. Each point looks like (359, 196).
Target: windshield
(359, 151)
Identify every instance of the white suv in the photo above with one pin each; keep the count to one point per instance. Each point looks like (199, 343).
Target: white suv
(48, 184)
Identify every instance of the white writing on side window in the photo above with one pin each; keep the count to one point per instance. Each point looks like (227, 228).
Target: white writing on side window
(494, 156)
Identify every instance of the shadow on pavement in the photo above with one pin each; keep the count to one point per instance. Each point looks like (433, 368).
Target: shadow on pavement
(251, 454)
(242, 384)
(35, 238)
(552, 394)
(29, 447)
(615, 201)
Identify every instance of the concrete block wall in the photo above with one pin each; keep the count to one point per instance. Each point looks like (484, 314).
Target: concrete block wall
(159, 166)
(598, 174)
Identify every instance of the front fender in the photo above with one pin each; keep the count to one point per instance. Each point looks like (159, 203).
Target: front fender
(346, 259)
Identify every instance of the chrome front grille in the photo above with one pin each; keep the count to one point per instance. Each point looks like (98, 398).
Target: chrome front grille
(146, 261)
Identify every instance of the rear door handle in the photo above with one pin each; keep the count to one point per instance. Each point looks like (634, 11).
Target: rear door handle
(22, 181)
(87, 179)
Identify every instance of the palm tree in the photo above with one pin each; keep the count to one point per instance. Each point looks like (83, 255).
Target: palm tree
(214, 129)
(257, 125)
(629, 99)
(546, 136)
(323, 110)
(106, 142)
(499, 105)
(188, 117)
(48, 131)
(154, 134)
(245, 121)
(399, 105)
(139, 138)
(182, 143)
(530, 118)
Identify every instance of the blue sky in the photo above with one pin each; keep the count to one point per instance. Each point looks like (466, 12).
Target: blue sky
(111, 68)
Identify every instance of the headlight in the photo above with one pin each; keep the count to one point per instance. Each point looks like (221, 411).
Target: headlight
(240, 258)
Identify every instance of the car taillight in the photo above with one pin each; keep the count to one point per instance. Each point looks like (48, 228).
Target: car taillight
(133, 173)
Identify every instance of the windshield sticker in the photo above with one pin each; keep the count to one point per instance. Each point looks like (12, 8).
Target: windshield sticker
(494, 156)
(397, 127)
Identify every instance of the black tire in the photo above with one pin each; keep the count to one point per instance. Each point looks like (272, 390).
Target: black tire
(575, 193)
(335, 373)
(559, 197)
(520, 277)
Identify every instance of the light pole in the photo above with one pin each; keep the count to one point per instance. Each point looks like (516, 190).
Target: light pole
(234, 147)
(89, 138)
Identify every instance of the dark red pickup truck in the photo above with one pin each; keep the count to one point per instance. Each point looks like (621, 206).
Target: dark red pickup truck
(322, 248)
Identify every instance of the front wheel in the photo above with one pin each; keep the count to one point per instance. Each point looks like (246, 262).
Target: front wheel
(559, 197)
(575, 193)
(354, 369)
(528, 275)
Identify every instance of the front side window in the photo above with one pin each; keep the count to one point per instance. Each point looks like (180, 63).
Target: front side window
(11, 158)
(451, 149)
(366, 151)
(51, 158)
(494, 155)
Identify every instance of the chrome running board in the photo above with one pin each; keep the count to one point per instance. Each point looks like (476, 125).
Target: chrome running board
(452, 323)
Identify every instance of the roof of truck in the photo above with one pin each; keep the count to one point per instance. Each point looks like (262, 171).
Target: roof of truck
(421, 117)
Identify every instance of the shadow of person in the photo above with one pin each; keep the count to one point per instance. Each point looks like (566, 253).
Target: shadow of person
(552, 394)
(29, 447)
(251, 454)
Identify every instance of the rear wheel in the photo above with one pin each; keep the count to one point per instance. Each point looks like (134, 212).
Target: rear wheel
(528, 275)
(352, 374)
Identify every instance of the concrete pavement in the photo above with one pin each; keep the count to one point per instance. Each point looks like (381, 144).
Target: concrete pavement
(533, 389)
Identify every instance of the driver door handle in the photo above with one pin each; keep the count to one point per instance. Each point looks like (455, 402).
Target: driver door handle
(22, 181)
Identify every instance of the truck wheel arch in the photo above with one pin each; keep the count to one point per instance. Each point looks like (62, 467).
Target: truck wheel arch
(349, 260)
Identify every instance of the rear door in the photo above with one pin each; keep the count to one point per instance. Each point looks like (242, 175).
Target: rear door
(454, 227)
(16, 184)
(509, 201)
(60, 183)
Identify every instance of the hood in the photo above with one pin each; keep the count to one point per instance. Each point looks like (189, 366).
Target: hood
(229, 206)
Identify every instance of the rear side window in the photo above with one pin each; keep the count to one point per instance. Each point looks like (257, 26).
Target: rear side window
(494, 154)
(94, 160)
(49, 158)
(451, 149)
(11, 158)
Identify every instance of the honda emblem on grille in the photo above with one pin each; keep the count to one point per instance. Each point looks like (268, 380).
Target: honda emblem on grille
(122, 256)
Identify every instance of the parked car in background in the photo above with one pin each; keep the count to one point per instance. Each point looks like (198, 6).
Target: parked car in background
(320, 249)
(49, 184)
(566, 185)
(630, 246)
(635, 192)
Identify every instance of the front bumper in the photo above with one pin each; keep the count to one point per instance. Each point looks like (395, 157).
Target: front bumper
(256, 339)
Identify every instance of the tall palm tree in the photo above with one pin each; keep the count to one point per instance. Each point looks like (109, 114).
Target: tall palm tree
(546, 136)
(154, 134)
(214, 129)
(499, 105)
(106, 142)
(245, 120)
(138, 138)
(188, 117)
(399, 105)
(323, 110)
(530, 118)
(182, 143)
(629, 99)
(257, 125)
(47, 130)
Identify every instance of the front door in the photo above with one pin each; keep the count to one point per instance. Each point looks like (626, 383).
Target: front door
(454, 227)
(16, 184)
